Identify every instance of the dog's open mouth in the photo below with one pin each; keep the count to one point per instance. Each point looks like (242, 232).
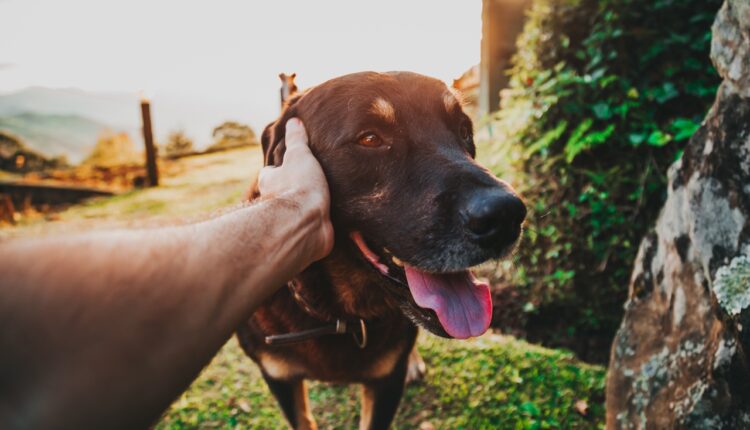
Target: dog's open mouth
(462, 304)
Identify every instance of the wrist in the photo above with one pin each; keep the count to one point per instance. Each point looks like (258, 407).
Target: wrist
(313, 220)
(311, 206)
(280, 235)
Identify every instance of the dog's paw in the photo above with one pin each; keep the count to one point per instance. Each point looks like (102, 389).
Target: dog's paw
(416, 369)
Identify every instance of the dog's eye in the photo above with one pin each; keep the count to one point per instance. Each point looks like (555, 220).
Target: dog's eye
(370, 140)
(464, 131)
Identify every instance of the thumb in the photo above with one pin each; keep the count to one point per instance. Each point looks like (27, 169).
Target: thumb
(295, 135)
(265, 178)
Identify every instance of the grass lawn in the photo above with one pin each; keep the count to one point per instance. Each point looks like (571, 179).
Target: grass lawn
(493, 382)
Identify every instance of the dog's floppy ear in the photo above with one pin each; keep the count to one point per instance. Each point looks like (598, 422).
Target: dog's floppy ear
(272, 139)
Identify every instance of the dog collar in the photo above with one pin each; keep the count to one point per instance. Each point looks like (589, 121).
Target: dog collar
(358, 332)
(358, 329)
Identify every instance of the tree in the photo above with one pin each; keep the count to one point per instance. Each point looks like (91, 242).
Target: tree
(679, 359)
(113, 150)
(231, 134)
(178, 143)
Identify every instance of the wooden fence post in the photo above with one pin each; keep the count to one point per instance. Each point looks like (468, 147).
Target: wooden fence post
(148, 138)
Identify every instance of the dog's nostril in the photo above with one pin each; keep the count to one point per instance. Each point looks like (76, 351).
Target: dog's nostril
(480, 221)
(489, 213)
(516, 210)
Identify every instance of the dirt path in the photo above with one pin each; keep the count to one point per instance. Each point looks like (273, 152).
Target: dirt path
(192, 189)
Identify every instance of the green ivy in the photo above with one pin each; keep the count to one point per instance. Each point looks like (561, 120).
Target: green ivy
(603, 96)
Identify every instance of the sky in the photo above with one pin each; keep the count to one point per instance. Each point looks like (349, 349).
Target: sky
(229, 53)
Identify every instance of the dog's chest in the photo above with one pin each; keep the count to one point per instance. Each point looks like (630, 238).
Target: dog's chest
(338, 358)
(320, 363)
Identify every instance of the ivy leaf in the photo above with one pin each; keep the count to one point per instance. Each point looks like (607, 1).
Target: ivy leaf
(684, 128)
(547, 139)
(602, 111)
(580, 141)
(575, 142)
(658, 138)
(636, 139)
(666, 93)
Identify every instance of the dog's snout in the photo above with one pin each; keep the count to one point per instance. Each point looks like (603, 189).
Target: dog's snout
(493, 216)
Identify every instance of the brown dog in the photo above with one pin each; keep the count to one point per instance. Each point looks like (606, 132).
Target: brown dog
(411, 211)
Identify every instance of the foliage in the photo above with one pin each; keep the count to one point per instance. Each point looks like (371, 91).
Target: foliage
(232, 134)
(603, 96)
(15, 156)
(178, 143)
(113, 150)
(486, 383)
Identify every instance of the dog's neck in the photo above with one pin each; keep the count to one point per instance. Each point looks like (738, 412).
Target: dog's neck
(340, 287)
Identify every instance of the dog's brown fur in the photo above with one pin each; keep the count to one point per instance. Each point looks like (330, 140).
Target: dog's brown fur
(409, 209)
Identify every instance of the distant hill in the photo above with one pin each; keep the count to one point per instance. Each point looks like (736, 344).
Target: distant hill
(53, 135)
(51, 120)
(119, 110)
(66, 121)
(17, 157)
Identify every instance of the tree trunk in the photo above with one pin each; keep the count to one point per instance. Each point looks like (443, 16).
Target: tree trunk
(679, 357)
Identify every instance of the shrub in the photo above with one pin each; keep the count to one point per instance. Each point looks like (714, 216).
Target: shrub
(603, 96)
(178, 143)
(113, 150)
(232, 134)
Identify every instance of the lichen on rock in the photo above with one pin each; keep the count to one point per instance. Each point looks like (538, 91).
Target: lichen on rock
(732, 285)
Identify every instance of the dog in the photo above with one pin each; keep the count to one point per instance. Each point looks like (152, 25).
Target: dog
(411, 211)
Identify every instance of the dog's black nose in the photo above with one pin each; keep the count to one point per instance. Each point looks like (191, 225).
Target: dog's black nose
(493, 216)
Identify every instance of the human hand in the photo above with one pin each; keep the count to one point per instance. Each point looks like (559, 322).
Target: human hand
(301, 180)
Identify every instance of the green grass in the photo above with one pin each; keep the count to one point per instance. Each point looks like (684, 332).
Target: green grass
(492, 382)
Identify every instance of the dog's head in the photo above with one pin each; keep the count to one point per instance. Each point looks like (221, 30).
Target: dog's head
(407, 198)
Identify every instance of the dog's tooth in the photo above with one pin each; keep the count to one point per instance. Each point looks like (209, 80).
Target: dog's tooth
(397, 262)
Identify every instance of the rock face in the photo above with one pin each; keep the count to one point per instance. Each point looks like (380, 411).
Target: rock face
(679, 359)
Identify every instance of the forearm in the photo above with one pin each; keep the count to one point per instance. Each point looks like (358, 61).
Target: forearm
(134, 315)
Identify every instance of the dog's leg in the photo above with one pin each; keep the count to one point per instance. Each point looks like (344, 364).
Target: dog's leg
(380, 399)
(417, 369)
(292, 397)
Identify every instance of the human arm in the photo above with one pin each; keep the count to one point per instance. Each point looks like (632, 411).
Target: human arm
(104, 330)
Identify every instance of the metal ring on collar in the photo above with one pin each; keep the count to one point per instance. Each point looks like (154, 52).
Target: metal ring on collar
(361, 341)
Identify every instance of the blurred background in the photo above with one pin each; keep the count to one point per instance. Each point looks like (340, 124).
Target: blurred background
(581, 104)
(206, 62)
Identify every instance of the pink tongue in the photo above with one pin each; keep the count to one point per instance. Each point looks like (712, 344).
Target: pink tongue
(463, 304)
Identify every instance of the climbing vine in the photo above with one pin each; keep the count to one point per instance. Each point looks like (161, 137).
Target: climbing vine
(603, 97)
